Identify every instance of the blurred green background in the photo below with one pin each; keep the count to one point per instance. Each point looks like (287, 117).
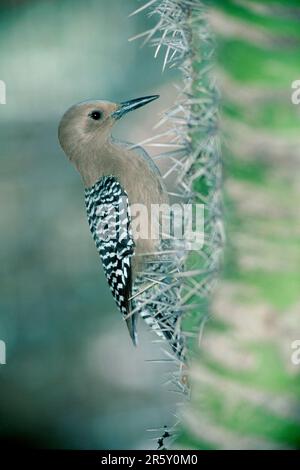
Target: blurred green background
(72, 378)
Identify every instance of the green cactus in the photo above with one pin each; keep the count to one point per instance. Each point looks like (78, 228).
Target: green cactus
(245, 386)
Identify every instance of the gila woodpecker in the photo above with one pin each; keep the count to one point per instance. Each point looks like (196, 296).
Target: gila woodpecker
(116, 175)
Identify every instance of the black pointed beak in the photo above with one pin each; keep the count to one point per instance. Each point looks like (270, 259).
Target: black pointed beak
(130, 105)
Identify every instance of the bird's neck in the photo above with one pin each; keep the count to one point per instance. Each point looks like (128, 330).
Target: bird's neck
(105, 157)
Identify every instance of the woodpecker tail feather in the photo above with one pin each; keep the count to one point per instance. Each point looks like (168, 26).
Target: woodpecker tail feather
(131, 325)
(131, 320)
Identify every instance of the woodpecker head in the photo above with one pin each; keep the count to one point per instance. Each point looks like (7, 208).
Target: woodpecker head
(90, 123)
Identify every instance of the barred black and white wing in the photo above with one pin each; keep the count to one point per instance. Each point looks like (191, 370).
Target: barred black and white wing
(109, 220)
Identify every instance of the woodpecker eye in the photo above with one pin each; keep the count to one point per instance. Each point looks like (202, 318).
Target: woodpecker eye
(96, 115)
